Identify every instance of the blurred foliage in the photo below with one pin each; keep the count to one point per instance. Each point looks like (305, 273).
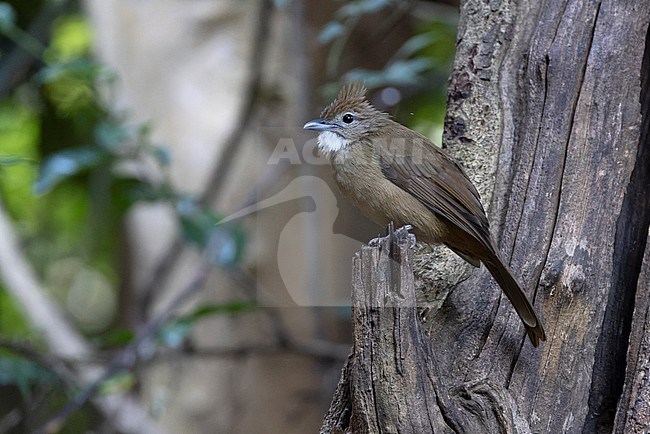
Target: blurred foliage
(174, 333)
(24, 373)
(415, 76)
(11, 320)
(28, 382)
(70, 169)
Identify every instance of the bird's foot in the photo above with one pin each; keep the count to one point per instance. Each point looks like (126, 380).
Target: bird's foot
(390, 231)
(403, 232)
(405, 228)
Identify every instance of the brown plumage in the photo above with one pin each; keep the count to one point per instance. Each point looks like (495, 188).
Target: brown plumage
(392, 173)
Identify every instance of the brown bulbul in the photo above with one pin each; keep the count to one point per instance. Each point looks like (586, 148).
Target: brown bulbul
(392, 173)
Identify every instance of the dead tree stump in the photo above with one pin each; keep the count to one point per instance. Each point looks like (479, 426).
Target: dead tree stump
(390, 371)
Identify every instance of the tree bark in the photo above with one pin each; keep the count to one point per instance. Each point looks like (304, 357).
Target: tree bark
(389, 373)
(633, 412)
(548, 111)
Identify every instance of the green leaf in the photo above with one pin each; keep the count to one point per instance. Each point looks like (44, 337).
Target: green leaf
(199, 226)
(71, 38)
(79, 68)
(115, 338)
(196, 224)
(23, 373)
(226, 244)
(110, 136)
(223, 308)
(65, 164)
(137, 191)
(162, 155)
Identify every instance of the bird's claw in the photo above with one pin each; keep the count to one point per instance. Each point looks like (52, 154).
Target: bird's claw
(375, 242)
(406, 228)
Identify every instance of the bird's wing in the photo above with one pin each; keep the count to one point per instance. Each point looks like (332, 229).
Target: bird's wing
(439, 183)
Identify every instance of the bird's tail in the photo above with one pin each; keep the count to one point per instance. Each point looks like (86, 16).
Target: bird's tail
(502, 274)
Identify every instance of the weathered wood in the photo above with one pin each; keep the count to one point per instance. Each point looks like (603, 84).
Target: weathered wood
(633, 415)
(388, 384)
(337, 419)
(548, 112)
(569, 120)
(633, 412)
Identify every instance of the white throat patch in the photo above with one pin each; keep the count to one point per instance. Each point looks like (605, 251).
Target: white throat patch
(329, 142)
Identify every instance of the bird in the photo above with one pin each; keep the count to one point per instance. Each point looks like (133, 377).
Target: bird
(391, 173)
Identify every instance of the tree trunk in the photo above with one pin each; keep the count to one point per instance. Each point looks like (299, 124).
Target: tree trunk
(548, 111)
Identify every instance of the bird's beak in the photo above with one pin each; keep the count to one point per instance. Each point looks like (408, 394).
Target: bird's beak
(319, 125)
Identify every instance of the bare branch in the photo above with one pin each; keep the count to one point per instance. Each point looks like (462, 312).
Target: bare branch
(127, 414)
(129, 355)
(214, 187)
(23, 285)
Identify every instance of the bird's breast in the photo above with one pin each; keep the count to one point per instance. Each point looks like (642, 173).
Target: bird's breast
(360, 179)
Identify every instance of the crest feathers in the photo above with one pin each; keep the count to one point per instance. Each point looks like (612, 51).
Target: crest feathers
(352, 91)
(352, 97)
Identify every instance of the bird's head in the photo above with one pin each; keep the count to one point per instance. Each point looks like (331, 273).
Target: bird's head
(349, 119)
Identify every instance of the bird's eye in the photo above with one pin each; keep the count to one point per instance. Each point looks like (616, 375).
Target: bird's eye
(348, 118)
